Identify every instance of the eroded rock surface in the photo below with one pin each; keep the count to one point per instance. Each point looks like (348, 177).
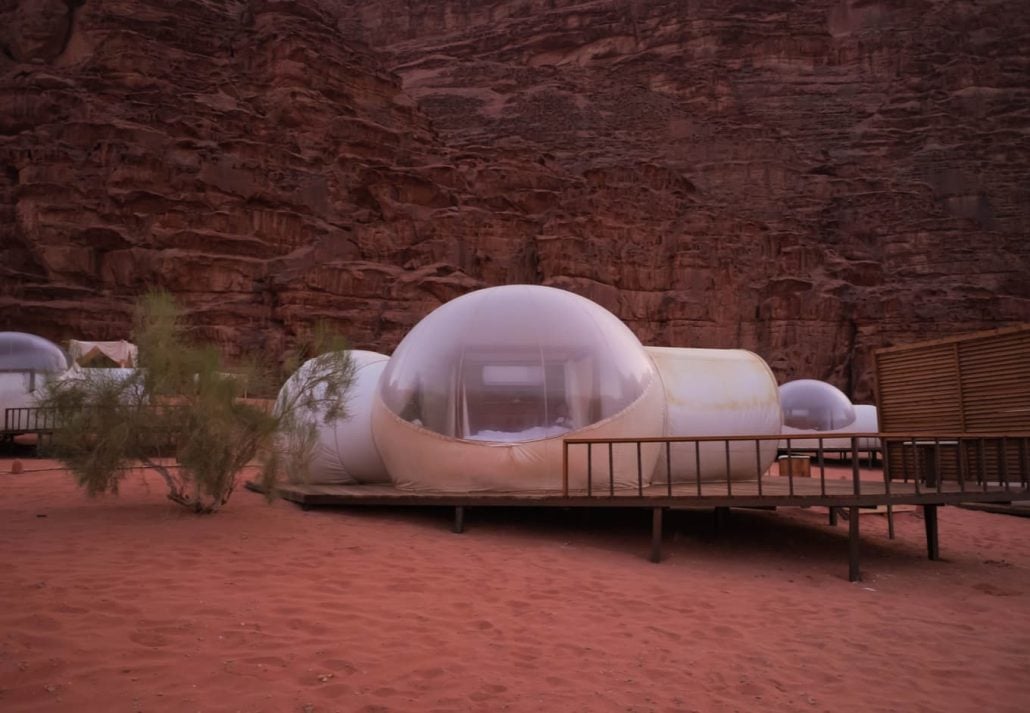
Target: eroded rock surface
(810, 180)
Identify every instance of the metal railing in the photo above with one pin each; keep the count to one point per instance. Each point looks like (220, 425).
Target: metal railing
(28, 419)
(41, 421)
(928, 462)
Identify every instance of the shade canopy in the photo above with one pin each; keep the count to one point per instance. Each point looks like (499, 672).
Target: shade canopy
(27, 352)
(120, 353)
(812, 405)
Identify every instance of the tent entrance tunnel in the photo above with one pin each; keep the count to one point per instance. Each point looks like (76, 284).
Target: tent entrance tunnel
(981, 475)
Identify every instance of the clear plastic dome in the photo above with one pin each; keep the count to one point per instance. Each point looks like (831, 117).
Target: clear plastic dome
(811, 405)
(27, 352)
(513, 364)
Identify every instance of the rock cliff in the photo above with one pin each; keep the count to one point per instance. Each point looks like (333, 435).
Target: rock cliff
(809, 180)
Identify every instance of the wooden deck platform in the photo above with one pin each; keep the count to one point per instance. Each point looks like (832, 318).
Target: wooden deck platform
(770, 492)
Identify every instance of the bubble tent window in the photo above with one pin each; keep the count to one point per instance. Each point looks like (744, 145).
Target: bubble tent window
(515, 363)
(811, 405)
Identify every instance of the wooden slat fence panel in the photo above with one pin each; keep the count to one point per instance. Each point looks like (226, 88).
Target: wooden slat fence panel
(996, 382)
(977, 383)
(919, 391)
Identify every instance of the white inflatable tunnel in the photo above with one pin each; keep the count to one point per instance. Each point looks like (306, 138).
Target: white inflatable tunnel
(717, 392)
(480, 394)
(344, 450)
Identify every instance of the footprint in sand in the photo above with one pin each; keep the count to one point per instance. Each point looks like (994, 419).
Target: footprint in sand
(148, 638)
(994, 590)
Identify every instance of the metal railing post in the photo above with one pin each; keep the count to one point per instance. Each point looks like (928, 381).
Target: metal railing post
(640, 470)
(758, 463)
(822, 469)
(855, 474)
(1003, 462)
(565, 468)
(668, 466)
(590, 469)
(611, 470)
(729, 481)
(697, 465)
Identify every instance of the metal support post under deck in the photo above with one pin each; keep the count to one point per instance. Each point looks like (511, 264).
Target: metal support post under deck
(890, 522)
(656, 534)
(833, 516)
(933, 549)
(720, 517)
(853, 573)
(459, 520)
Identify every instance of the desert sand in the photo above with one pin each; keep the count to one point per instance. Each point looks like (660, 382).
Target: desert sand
(130, 604)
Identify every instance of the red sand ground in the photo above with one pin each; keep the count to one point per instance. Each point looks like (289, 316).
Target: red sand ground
(130, 604)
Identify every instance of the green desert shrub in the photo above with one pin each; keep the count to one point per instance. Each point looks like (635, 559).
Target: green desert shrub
(182, 414)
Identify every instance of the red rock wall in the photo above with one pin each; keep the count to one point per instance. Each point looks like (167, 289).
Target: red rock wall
(810, 180)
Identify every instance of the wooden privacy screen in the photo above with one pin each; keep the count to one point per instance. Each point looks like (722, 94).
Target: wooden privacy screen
(978, 383)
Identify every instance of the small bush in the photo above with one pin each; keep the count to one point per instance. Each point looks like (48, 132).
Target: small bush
(181, 414)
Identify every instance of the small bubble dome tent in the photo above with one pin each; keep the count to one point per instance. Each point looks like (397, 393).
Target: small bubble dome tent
(344, 451)
(27, 352)
(480, 394)
(26, 362)
(811, 405)
(716, 392)
(866, 421)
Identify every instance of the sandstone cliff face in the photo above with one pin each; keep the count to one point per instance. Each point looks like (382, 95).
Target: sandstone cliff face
(810, 180)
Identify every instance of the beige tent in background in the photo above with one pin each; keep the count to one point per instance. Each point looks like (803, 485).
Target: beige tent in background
(122, 353)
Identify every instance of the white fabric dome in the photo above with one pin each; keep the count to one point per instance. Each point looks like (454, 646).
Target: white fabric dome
(480, 393)
(344, 451)
(717, 392)
(811, 405)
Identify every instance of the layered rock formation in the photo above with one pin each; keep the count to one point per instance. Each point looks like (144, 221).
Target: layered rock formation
(810, 180)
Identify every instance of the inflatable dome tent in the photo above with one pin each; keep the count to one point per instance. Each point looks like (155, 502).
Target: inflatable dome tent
(344, 451)
(26, 362)
(810, 406)
(480, 394)
(866, 421)
(717, 392)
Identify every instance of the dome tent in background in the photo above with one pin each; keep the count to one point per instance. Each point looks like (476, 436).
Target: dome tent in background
(717, 392)
(27, 352)
(26, 363)
(344, 451)
(812, 406)
(866, 421)
(480, 394)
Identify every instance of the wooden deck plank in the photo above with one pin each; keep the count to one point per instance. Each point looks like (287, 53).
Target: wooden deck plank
(776, 492)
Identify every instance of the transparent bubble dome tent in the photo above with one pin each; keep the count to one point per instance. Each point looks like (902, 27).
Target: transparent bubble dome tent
(811, 405)
(480, 394)
(26, 361)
